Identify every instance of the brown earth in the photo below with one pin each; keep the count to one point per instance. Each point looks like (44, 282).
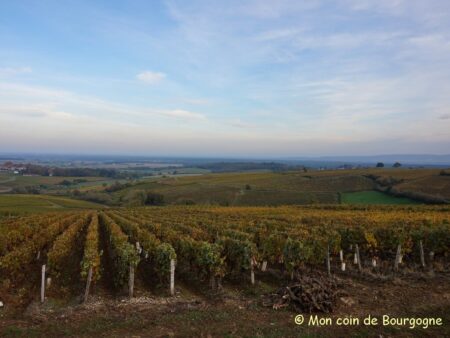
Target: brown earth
(238, 311)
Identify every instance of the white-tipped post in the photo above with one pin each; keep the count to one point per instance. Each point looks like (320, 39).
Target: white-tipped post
(264, 266)
(43, 283)
(374, 262)
(172, 277)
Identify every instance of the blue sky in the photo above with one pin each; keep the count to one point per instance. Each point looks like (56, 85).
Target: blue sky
(225, 78)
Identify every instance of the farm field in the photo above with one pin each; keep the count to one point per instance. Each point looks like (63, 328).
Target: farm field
(9, 182)
(371, 186)
(21, 203)
(223, 260)
(252, 188)
(298, 187)
(432, 185)
(21, 181)
(373, 197)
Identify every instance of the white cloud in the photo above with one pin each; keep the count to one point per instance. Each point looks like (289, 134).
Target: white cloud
(278, 34)
(199, 102)
(269, 9)
(279, 72)
(15, 71)
(393, 6)
(435, 46)
(150, 77)
(19, 101)
(183, 114)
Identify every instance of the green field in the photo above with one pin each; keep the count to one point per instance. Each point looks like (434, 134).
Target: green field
(41, 203)
(373, 197)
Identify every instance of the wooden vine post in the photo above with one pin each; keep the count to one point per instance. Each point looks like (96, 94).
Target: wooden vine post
(88, 285)
(212, 282)
(131, 282)
(431, 259)
(264, 266)
(398, 257)
(374, 262)
(328, 261)
(252, 272)
(172, 277)
(422, 255)
(43, 283)
(358, 257)
(341, 258)
(219, 283)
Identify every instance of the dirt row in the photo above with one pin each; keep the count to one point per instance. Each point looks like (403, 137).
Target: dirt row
(237, 311)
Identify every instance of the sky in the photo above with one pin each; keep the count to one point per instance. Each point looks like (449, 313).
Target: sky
(225, 78)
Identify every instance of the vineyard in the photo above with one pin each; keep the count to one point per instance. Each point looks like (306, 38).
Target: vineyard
(209, 245)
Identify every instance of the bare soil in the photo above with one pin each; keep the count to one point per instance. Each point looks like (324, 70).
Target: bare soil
(237, 311)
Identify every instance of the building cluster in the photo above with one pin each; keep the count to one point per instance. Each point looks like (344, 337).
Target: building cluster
(11, 167)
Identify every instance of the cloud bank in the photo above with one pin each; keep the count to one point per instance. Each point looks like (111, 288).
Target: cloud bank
(241, 77)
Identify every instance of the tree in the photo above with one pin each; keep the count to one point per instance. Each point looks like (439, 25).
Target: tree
(187, 202)
(65, 182)
(397, 165)
(444, 173)
(380, 165)
(154, 199)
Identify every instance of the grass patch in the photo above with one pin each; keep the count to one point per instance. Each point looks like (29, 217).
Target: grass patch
(373, 197)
